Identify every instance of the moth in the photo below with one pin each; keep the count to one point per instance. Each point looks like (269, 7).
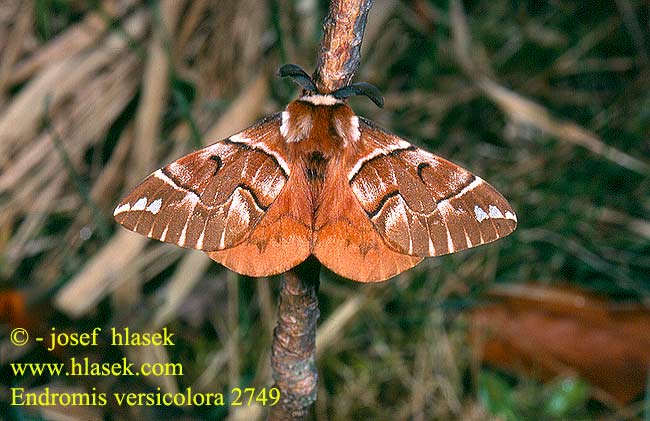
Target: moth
(316, 179)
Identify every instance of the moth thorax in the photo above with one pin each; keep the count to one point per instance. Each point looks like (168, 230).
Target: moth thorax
(302, 119)
(297, 124)
(346, 125)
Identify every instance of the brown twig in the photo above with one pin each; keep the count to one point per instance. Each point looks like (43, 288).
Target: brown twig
(340, 50)
(293, 354)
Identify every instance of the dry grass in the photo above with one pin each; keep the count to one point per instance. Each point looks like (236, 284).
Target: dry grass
(550, 103)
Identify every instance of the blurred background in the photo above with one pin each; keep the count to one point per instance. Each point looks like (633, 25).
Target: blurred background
(548, 101)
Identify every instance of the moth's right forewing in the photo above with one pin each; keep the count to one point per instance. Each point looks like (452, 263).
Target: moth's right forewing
(421, 204)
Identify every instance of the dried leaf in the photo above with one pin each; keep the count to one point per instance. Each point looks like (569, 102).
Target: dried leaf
(553, 331)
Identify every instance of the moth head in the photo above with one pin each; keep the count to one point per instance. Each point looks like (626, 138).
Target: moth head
(310, 91)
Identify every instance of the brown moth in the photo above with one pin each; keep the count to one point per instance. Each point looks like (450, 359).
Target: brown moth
(317, 179)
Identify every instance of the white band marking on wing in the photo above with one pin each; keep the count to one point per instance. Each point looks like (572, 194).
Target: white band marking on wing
(495, 212)
(122, 208)
(450, 242)
(481, 215)
(161, 176)
(181, 239)
(199, 242)
(402, 144)
(164, 233)
(510, 215)
(140, 205)
(238, 138)
(356, 133)
(154, 207)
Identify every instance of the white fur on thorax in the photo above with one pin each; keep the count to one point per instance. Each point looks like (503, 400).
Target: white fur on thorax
(317, 99)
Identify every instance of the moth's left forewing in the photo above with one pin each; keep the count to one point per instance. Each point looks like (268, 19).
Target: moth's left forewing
(210, 199)
(421, 204)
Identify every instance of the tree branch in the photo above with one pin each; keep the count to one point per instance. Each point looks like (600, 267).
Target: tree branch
(293, 353)
(340, 50)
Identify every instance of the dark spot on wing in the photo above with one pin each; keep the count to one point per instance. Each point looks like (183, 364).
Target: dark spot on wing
(218, 163)
(421, 168)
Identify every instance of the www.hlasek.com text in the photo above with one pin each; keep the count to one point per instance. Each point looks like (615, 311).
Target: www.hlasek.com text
(85, 367)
